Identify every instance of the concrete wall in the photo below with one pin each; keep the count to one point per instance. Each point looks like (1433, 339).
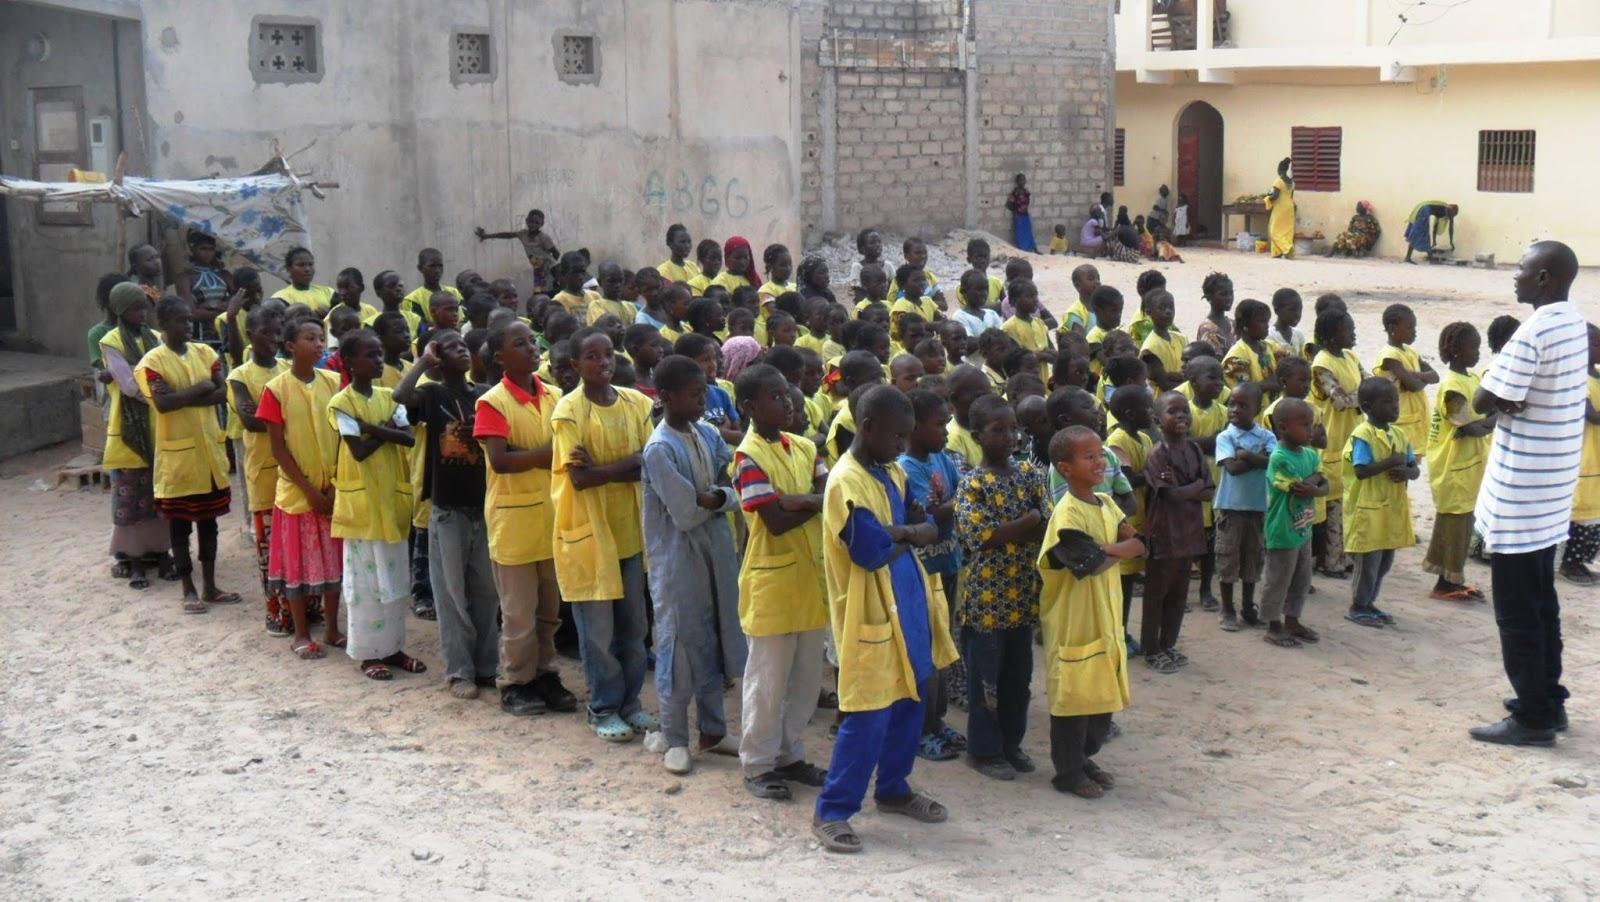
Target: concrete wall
(1402, 143)
(56, 267)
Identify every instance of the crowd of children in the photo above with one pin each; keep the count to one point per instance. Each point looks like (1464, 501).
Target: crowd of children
(718, 473)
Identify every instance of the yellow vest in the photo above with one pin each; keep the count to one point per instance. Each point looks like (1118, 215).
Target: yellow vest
(844, 419)
(672, 272)
(623, 310)
(781, 586)
(260, 468)
(417, 301)
(1136, 445)
(1169, 351)
(1586, 500)
(698, 284)
(817, 415)
(190, 458)
(318, 297)
(769, 291)
(367, 314)
(1029, 334)
(516, 506)
(1207, 423)
(1455, 465)
(961, 441)
(1346, 369)
(1413, 418)
(372, 497)
(596, 528)
(578, 304)
(874, 666)
(728, 281)
(118, 456)
(417, 460)
(1140, 326)
(1081, 619)
(220, 323)
(1077, 311)
(1377, 511)
(312, 443)
(923, 307)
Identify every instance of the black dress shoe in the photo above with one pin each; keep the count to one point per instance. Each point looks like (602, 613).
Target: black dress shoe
(556, 696)
(1560, 726)
(521, 700)
(1509, 732)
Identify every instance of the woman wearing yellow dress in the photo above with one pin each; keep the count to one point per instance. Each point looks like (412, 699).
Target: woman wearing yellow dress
(1280, 224)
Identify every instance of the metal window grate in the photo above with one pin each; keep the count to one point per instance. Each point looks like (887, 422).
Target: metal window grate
(284, 48)
(472, 54)
(1505, 161)
(1118, 154)
(1316, 152)
(577, 55)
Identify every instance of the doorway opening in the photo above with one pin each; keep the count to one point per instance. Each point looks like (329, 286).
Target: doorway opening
(1200, 168)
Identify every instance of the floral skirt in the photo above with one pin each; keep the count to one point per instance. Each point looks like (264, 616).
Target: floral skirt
(136, 530)
(303, 557)
(377, 597)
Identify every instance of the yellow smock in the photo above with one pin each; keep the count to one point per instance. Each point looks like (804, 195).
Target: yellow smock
(318, 297)
(416, 302)
(517, 506)
(1280, 222)
(1586, 500)
(1135, 447)
(624, 310)
(874, 666)
(781, 584)
(1207, 422)
(190, 458)
(260, 468)
(1140, 326)
(311, 441)
(366, 315)
(118, 456)
(596, 529)
(372, 497)
(674, 272)
(1346, 369)
(728, 281)
(1413, 419)
(1168, 350)
(1377, 511)
(845, 420)
(417, 460)
(1081, 619)
(578, 304)
(1456, 464)
(1077, 317)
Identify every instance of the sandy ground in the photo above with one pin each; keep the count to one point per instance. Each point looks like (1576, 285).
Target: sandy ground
(149, 754)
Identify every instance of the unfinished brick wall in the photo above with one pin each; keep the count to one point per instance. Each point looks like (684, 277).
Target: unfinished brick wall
(887, 84)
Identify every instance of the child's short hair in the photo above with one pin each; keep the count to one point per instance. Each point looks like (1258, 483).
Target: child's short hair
(701, 312)
(787, 360)
(868, 336)
(770, 255)
(1149, 280)
(789, 302)
(340, 316)
(1371, 389)
(243, 276)
(740, 316)
(288, 259)
(675, 372)
(261, 313)
(1125, 370)
(903, 274)
(476, 340)
(693, 345)
(706, 247)
(1062, 443)
(1292, 365)
(582, 336)
(1127, 399)
(1327, 322)
(746, 297)
(352, 275)
(479, 306)
(1501, 328)
(1023, 385)
(752, 379)
(1282, 297)
(936, 384)
(356, 338)
(861, 239)
(1452, 336)
(976, 245)
(1196, 349)
(1018, 268)
(774, 322)
(925, 404)
(1395, 314)
(558, 325)
(638, 335)
(1214, 282)
(1250, 310)
(983, 410)
(910, 243)
(390, 321)
(859, 366)
(168, 305)
(928, 347)
(1327, 301)
(1103, 296)
(808, 356)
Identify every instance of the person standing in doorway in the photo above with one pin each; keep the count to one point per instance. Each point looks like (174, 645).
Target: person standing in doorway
(1021, 222)
(1537, 389)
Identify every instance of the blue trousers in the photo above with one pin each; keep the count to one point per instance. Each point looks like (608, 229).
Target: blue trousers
(611, 644)
(885, 741)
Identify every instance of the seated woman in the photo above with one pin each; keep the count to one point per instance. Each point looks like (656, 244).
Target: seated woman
(1123, 244)
(1422, 226)
(1361, 236)
(1092, 240)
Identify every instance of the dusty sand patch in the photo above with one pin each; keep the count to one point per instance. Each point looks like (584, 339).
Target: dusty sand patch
(128, 734)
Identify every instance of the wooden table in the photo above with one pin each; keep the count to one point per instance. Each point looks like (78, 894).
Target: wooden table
(1247, 210)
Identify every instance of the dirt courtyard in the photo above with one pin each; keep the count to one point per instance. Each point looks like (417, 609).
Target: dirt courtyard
(148, 754)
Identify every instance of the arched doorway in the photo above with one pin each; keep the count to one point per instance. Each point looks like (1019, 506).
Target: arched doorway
(1200, 168)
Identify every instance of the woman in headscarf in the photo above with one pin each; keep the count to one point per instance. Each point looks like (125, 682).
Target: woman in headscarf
(738, 266)
(1021, 221)
(1422, 226)
(814, 279)
(738, 352)
(1361, 236)
(1122, 244)
(139, 539)
(1280, 201)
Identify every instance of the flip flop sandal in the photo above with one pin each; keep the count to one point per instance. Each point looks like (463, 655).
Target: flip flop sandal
(193, 605)
(1095, 773)
(140, 583)
(1282, 640)
(308, 650)
(933, 747)
(1384, 616)
(836, 836)
(377, 671)
(424, 612)
(1229, 624)
(406, 663)
(277, 629)
(225, 598)
(803, 772)
(954, 738)
(611, 728)
(121, 570)
(1363, 618)
(340, 642)
(1461, 595)
(1475, 593)
(917, 807)
(1306, 634)
(828, 700)
(769, 786)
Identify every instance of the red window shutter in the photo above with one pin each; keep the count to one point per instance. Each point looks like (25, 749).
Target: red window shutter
(1316, 153)
(1117, 159)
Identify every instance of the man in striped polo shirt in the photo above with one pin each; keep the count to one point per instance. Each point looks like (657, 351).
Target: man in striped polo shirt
(1536, 386)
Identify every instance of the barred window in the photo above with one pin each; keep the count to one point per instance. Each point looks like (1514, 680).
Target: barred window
(1118, 155)
(1505, 161)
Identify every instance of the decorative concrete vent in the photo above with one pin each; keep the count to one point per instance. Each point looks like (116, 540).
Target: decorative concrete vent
(285, 50)
(471, 57)
(577, 59)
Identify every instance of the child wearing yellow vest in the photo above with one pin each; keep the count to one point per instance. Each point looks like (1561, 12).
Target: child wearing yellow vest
(253, 456)
(1401, 364)
(1162, 350)
(1078, 318)
(678, 267)
(1458, 451)
(694, 574)
(967, 384)
(302, 267)
(1251, 359)
(1378, 462)
(708, 264)
(1080, 612)
(1335, 376)
(304, 560)
(1583, 536)
(1208, 416)
(889, 624)
(183, 381)
(138, 537)
(372, 511)
(1026, 327)
(1129, 437)
(600, 432)
(430, 265)
(514, 425)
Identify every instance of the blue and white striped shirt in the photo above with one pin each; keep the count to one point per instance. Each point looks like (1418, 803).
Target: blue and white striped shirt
(1525, 499)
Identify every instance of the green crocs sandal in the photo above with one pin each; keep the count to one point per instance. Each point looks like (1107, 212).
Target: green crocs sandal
(643, 721)
(611, 728)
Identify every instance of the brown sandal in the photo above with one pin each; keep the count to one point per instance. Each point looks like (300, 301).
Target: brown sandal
(376, 670)
(917, 807)
(308, 650)
(836, 836)
(406, 663)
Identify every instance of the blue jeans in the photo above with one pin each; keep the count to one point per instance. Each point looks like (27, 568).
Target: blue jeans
(611, 644)
(885, 741)
(464, 594)
(999, 668)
